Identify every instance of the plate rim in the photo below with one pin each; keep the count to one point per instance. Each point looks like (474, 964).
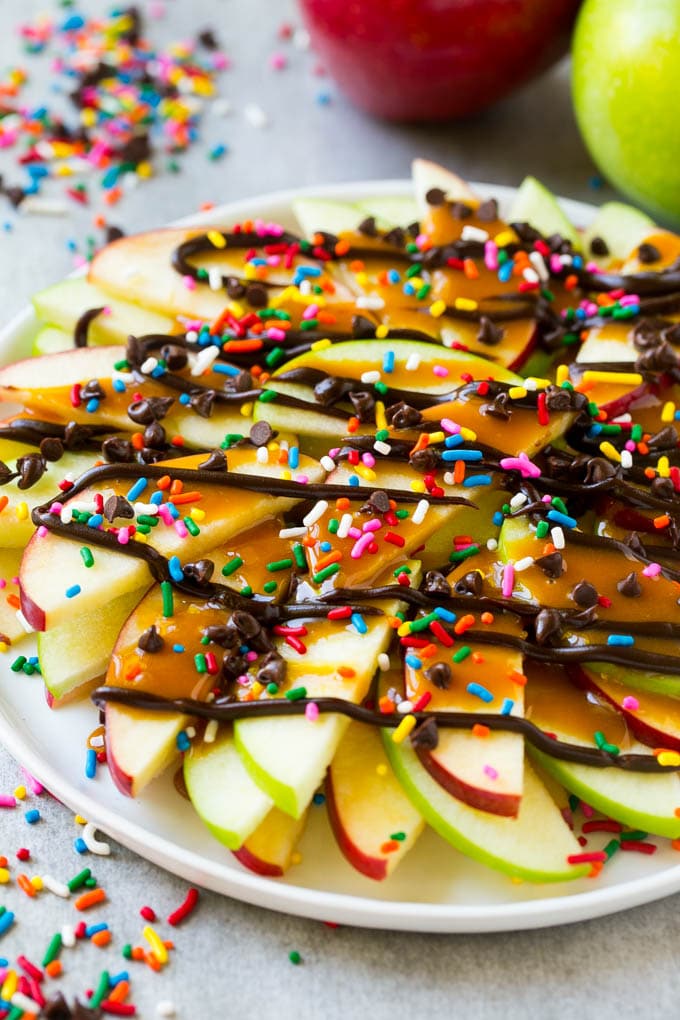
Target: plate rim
(343, 908)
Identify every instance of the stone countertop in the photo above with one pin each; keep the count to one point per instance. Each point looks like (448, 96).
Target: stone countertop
(232, 959)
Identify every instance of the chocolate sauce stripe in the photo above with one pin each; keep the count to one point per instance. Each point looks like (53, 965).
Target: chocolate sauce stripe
(277, 707)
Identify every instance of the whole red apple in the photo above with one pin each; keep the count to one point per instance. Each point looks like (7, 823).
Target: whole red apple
(436, 59)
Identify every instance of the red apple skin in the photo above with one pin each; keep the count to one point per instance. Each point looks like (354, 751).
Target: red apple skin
(122, 780)
(371, 867)
(35, 616)
(504, 804)
(436, 59)
(256, 864)
(524, 354)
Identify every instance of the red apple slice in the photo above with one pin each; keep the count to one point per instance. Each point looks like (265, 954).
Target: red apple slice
(269, 850)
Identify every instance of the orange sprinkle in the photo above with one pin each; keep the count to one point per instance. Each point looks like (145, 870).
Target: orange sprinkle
(389, 847)
(120, 992)
(309, 542)
(283, 457)
(394, 622)
(317, 238)
(14, 601)
(428, 651)
(342, 247)
(386, 705)
(548, 548)
(353, 424)
(470, 269)
(342, 503)
(595, 869)
(151, 960)
(459, 471)
(487, 618)
(177, 441)
(346, 671)
(25, 884)
(518, 678)
(187, 497)
(643, 448)
(464, 623)
(676, 844)
(133, 672)
(677, 812)
(480, 731)
(356, 265)
(571, 282)
(138, 953)
(101, 938)
(659, 522)
(90, 899)
(164, 482)
(327, 318)
(176, 487)
(422, 442)
(54, 969)
(477, 658)
(332, 557)
(242, 346)
(220, 322)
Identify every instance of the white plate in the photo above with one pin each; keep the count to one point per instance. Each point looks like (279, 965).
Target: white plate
(435, 888)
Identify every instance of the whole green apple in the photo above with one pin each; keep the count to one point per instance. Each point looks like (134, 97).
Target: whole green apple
(626, 84)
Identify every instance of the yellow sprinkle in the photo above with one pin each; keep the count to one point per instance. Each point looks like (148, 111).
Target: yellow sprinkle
(3, 646)
(4, 876)
(663, 467)
(246, 409)
(417, 486)
(405, 629)
(540, 384)
(404, 728)
(63, 171)
(139, 537)
(236, 309)
(436, 437)
(380, 419)
(505, 238)
(249, 271)
(464, 304)
(156, 943)
(22, 511)
(668, 758)
(288, 294)
(668, 412)
(273, 447)
(517, 392)
(381, 332)
(296, 858)
(381, 769)
(362, 279)
(144, 170)
(88, 117)
(79, 820)
(621, 378)
(257, 688)
(610, 451)
(286, 474)
(216, 239)
(562, 374)
(37, 883)
(437, 308)
(321, 345)
(365, 472)
(416, 281)
(9, 986)
(197, 514)
(468, 434)
(20, 793)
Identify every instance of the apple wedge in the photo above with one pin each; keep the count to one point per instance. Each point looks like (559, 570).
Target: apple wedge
(428, 175)
(11, 630)
(535, 204)
(63, 303)
(373, 821)
(653, 718)
(270, 848)
(622, 228)
(52, 564)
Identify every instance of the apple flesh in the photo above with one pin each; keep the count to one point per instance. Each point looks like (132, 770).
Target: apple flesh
(64, 303)
(367, 806)
(11, 629)
(270, 848)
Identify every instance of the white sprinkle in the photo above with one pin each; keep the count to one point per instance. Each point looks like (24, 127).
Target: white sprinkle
(370, 377)
(470, 233)
(449, 338)
(383, 662)
(305, 287)
(621, 418)
(284, 444)
(215, 278)
(210, 731)
(255, 115)
(124, 377)
(524, 563)
(66, 515)
(412, 362)
(262, 455)
(58, 888)
(491, 544)
(292, 532)
(191, 336)
(327, 463)
(23, 622)
(557, 536)
(448, 478)
(404, 707)
(22, 1002)
(94, 845)
(530, 384)
(68, 936)
(538, 262)
(221, 107)
(149, 509)
(316, 513)
(518, 500)
(626, 459)
(566, 260)
(372, 302)
(344, 526)
(166, 1008)
(190, 732)
(530, 275)
(301, 38)
(204, 359)
(42, 207)
(420, 511)
(381, 447)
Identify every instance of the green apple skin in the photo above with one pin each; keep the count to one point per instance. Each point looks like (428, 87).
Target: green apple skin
(626, 83)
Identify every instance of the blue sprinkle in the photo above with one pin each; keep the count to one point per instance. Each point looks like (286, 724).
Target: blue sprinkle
(184, 399)
(294, 457)
(80, 846)
(33, 659)
(72, 245)
(388, 356)
(507, 707)
(624, 640)
(594, 431)
(497, 518)
(676, 416)
(90, 763)
(73, 22)
(92, 929)
(563, 519)
(359, 623)
(445, 614)
(451, 442)
(137, 489)
(476, 480)
(115, 979)
(158, 372)
(6, 921)
(217, 151)
(324, 98)
(577, 262)
(156, 498)
(173, 511)
(469, 455)
(393, 277)
(319, 798)
(580, 313)
(119, 385)
(32, 816)
(175, 569)
(325, 547)
(74, 590)
(353, 479)
(479, 692)
(505, 272)
(36, 170)
(178, 648)
(95, 520)
(305, 270)
(222, 369)
(409, 289)
(4, 962)
(183, 742)
(413, 661)
(92, 405)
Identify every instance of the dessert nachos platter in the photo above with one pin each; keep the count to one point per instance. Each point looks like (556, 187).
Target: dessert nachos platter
(355, 515)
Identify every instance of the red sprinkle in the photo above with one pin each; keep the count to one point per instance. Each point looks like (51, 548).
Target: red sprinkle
(148, 914)
(74, 395)
(298, 646)
(602, 826)
(637, 847)
(340, 613)
(23, 854)
(185, 909)
(591, 858)
(118, 1008)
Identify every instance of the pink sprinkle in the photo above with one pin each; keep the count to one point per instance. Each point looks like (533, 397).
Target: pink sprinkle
(3, 583)
(630, 703)
(368, 459)
(491, 256)
(56, 508)
(490, 771)
(629, 299)
(508, 580)
(189, 282)
(588, 812)
(630, 446)
(123, 536)
(220, 61)
(546, 499)
(361, 545)
(15, 580)
(242, 680)
(373, 525)
(440, 371)
(334, 452)
(35, 787)
(278, 61)
(276, 334)
(181, 529)
(312, 712)
(165, 515)
(7, 801)
(652, 570)
(251, 656)
(42, 531)
(592, 267)
(302, 479)
(592, 308)
(354, 532)
(521, 464)
(273, 260)
(450, 426)
(555, 264)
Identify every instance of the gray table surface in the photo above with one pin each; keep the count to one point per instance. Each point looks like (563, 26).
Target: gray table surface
(232, 959)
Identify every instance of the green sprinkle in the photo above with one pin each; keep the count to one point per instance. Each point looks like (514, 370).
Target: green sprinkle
(593, 409)
(168, 601)
(18, 664)
(401, 570)
(333, 526)
(638, 835)
(101, 991)
(269, 587)
(398, 836)
(275, 357)
(327, 572)
(79, 880)
(28, 669)
(296, 693)
(121, 366)
(246, 591)
(200, 663)
(401, 514)
(294, 957)
(381, 387)
(610, 430)
(506, 508)
(599, 739)
(127, 951)
(401, 615)
(53, 950)
(191, 526)
(144, 529)
(547, 294)
(462, 653)
(413, 270)
(423, 291)
(382, 435)
(272, 688)
(87, 557)
(300, 558)
(542, 529)
(205, 640)
(283, 564)
(569, 339)
(463, 554)
(90, 883)
(636, 433)
(151, 522)
(422, 623)
(559, 504)
(232, 566)
(611, 848)
(574, 802)
(202, 274)
(308, 324)
(267, 396)
(611, 749)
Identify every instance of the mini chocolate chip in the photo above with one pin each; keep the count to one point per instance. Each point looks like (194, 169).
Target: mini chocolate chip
(143, 412)
(246, 624)
(424, 460)
(118, 506)
(648, 253)
(557, 399)
(154, 436)
(175, 357)
(547, 624)
(363, 404)
(378, 502)
(234, 287)
(234, 665)
(436, 584)
(6, 473)
(52, 448)
(208, 39)
(272, 669)
(31, 468)
(134, 351)
(584, 594)
(201, 571)
(395, 237)
(661, 358)
(223, 634)
(648, 332)
(261, 433)
(439, 674)
(57, 1008)
(471, 583)
(203, 402)
(500, 407)
(671, 333)
(256, 295)
(15, 194)
(460, 211)
(526, 232)
(598, 469)
(76, 436)
(629, 586)
(487, 212)
(489, 333)
(665, 439)
(92, 390)
(113, 233)
(663, 488)
(118, 451)
(598, 246)
(435, 196)
(150, 640)
(552, 564)
(216, 461)
(425, 737)
(403, 416)
(362, 327)
(328, 390)
(634, 543)
(368, 227)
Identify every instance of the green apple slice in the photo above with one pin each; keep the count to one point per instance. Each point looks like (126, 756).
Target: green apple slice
(535, 845)
(427, 175)
(63, 304)
(51, 340)
(323, 214)
(390, 210)
(622, 228)
(536, 205)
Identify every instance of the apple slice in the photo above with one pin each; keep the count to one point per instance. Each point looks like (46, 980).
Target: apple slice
(51, 340)
(11, 630)
(270, 848)
(655, 719)
(63, 303)
(334, 217)
(51, 564)
(390, 210)
(641, 800)
(373, 821)
(667, 244)
(428, 175)
(622, 228)
(535, 204)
